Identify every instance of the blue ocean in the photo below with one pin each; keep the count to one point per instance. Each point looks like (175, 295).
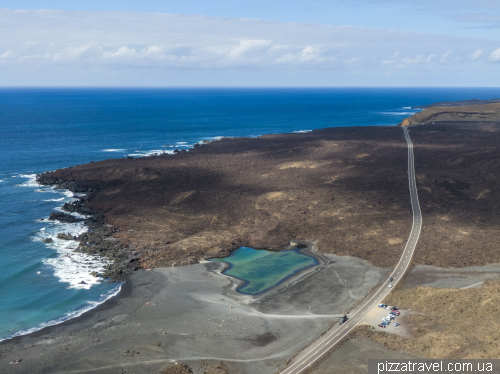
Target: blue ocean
(45, 129)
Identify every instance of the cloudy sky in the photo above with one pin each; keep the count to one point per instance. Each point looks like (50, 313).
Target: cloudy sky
(250, 43)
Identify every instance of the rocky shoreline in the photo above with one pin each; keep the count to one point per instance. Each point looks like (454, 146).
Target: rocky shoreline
(174, 210)
(98, 240)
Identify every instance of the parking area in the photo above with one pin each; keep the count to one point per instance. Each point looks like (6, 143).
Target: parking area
(374, 318)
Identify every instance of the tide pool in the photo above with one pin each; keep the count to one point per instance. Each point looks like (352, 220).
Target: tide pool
(261, 270)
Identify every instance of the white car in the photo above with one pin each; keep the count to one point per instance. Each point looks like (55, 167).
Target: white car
(389, 285)
(396, 324)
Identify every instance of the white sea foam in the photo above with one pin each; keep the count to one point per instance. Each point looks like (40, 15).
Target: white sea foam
(31, 182)
(74, 214)
(89, 306)
(397, 113)
(74, 268)
(151, 153)
(114, 150)
(302, 131)
(70, 267)
(60, 199)
(180, 143)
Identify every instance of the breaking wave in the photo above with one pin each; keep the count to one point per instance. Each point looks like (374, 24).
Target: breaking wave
(76, 313)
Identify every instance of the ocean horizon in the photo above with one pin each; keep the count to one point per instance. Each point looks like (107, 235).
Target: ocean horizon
(45, 283)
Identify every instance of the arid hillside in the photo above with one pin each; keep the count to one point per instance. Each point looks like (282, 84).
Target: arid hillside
(345, 188)
(457, 166)
(446, 323)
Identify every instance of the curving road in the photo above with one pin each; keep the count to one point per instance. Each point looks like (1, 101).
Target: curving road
(309, 355)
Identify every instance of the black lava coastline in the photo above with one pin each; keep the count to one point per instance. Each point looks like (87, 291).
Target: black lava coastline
(98, 240)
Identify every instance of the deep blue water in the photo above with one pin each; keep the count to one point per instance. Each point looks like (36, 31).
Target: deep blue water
(46, 129)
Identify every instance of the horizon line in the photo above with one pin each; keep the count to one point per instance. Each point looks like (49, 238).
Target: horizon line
(238, 87)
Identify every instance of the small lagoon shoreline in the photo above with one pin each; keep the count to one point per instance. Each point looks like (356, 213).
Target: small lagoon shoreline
(304, 247)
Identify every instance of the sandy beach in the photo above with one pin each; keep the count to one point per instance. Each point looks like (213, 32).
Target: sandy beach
(192, 315)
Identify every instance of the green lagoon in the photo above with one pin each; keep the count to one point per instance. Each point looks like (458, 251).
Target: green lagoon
(261, 270)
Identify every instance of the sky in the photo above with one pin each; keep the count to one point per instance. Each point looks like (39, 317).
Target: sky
(453, 43)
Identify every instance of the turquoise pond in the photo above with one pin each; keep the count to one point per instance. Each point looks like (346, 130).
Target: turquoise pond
(261, 270)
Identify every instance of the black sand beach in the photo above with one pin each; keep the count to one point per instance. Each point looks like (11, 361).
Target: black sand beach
(192, 314)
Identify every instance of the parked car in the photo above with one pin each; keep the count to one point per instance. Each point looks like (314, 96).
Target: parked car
(384, 323)
(381, 305)
(395, 308)
(397, 312)
(388, 307)
(390, 285)
(396, 324)
(381, 326)
(391, 279)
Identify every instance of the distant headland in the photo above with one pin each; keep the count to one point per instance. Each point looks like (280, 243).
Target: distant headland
(468, 110)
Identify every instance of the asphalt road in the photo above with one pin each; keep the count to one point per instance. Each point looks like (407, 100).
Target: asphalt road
(312, 353)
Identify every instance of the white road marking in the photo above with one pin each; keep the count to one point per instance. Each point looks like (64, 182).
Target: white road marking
(322, 346)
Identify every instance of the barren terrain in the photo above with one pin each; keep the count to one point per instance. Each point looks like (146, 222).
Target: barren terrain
(446, 323)
(479, 112)
(345, 188)
(457, 166)
(192, 315)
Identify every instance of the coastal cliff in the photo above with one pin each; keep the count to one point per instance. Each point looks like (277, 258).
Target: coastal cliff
(471, 113)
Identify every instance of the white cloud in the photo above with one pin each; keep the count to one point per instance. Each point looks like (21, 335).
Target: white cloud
(310, 53)
(477, 55)
(495, 56)
(249, 48)
(415, 60)
(103, 44)
(8, 54)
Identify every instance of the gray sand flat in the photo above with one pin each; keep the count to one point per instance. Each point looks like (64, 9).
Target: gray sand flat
(431, 276)
(192, 314)
(352, 357)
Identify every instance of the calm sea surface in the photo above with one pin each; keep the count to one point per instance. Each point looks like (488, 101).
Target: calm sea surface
(46, 129)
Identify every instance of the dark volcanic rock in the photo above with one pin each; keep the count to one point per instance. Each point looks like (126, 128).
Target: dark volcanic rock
(63, 217)
(344, 187)
(48, 240)
(65, 236)
(98, 241)
(457, 166)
